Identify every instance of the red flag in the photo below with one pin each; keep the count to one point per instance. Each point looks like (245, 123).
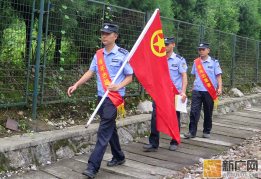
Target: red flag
(150, 66)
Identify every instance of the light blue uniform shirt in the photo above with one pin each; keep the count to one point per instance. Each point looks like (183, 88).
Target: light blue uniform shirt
(114, 61)
(177, 65)
(212, 68)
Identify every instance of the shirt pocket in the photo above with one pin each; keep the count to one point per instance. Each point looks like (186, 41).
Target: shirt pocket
(174, 70)
(210, 70)
(115, 66)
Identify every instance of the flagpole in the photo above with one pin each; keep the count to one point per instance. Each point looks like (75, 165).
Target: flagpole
(127, 60)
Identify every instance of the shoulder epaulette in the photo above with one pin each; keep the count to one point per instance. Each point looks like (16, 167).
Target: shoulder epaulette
(180, 57)
(124, 51)
(215, 60)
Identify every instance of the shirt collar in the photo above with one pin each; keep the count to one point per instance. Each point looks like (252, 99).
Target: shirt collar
(172, 56)
(114, 50)
(208, 59)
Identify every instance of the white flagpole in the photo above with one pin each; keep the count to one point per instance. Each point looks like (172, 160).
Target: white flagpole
(127, 59)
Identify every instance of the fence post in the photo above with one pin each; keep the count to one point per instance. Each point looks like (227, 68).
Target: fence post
(257, 58)
(233, 60)
(218, 45)
(37, 60)
(177, 37)
(45, 46)
(29, 52)
(103, 9)
(202, 33)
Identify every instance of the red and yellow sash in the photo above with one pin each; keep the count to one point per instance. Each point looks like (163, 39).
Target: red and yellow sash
(206, 81)
(114, 96)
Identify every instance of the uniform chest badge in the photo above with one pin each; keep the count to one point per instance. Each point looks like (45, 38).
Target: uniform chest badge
(114, 60)
(174, 65)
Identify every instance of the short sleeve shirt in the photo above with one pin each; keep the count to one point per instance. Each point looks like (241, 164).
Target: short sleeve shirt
(114, 61)
(212, 68)
(177, 65)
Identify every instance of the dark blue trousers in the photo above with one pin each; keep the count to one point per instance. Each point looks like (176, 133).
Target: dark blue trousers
(154, 135)
(199, 97)
(107, 133)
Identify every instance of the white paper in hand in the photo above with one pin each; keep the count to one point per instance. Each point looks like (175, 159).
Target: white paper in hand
(182, 107)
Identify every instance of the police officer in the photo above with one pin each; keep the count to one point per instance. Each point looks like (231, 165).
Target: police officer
(200, 92)
(113, 57)
(178, 73)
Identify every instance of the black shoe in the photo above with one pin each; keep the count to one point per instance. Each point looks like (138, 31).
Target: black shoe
(189, 135)
(115, 162)
(150, 147)
(173, 147)
(88, 172)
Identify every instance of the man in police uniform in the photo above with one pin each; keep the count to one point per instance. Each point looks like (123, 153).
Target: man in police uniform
(178, 73)
(114, 57)
(200, 94)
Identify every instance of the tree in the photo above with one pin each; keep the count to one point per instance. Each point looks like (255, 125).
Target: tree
(226, 16)
(24, 10)
(62, 19)
(145, 5)
(184, 10)
(5, 11)
(249, 19)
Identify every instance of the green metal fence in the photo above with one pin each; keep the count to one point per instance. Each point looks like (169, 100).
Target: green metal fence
(73, 38)
(187, 37)
(47, 45)
(221, 49)
(15, 47)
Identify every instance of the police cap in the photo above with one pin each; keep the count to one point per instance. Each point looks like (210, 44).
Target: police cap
(109, 28)
(203, 45)
(169, 40)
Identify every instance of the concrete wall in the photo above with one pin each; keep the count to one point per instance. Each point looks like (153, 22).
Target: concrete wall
(48, 146)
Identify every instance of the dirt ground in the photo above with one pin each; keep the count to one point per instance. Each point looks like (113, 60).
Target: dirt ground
(55, 116)
(62, 115)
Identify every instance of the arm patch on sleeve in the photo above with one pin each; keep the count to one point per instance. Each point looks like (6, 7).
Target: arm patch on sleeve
(124, 51)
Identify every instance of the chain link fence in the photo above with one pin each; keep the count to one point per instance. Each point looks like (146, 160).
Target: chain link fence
(70, 36)
(221, 48)
(15, 47)
(74, 37)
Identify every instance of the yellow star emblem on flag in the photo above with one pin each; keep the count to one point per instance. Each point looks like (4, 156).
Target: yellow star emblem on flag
(159, 43)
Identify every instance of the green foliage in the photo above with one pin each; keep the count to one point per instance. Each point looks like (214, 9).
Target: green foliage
(22, 124)
(249, 18)
(60, 143)
(226, 16)
(184, 10)
(236, 16)
(73, 36)
(133, 106)
(93, 105)
(145, 5)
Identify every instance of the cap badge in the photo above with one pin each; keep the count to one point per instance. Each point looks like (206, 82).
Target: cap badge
(200, 45)
(106, 27)
(166, 39)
